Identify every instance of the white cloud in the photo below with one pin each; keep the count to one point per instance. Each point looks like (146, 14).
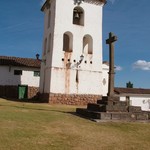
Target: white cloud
(118, 68)
(142, 65)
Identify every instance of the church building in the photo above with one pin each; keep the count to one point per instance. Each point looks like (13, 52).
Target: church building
(72, 68)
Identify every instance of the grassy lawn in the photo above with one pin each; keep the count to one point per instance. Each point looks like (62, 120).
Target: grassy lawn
(27, 126)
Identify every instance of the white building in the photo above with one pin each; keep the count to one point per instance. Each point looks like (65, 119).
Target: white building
(135, 97)
(19, 74)
(72, 50)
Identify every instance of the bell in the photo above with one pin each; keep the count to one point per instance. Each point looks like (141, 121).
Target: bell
(77, 16)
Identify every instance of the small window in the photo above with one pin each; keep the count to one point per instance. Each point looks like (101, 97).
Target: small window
(17, 72)
(36, 73)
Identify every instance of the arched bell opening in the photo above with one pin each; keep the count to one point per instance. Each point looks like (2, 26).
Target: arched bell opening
(78, 16)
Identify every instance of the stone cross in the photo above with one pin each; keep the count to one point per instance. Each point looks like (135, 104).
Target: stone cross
(111, 72)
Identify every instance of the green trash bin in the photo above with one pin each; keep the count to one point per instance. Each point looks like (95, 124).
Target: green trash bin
(22, 91)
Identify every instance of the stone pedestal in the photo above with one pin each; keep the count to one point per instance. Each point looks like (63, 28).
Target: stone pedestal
(110, 108)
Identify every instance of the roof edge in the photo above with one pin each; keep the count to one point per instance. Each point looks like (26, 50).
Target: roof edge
(45, 5)
(131, 91)
(104, 1)
(19, 61)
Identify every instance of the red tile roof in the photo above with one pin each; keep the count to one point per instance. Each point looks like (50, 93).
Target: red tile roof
(17, 61)
(131, 91)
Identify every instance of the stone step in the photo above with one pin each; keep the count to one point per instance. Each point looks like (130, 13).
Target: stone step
(107, 108)
(120, 103)
(107, 98)
(110, 108)
(87, 113)
(112, 115)
(141, 116)
(102, 102)
(94, 107)
(134, 109)
(114, 108)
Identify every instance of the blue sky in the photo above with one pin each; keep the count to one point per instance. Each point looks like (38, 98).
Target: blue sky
(129, 20)
(21, 33)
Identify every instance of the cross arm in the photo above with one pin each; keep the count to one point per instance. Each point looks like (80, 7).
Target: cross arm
(111, 40)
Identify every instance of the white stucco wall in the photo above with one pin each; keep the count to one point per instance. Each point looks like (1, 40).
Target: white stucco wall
(105, 79)
(92, 26)
(64, 81)
(7, 76)
(142, 101)
(59, 79)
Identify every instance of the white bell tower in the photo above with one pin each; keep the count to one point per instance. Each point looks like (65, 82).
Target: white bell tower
(72, 49)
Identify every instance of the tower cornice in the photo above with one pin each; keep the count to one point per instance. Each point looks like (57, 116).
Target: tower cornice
(47, 3)
(97, 2)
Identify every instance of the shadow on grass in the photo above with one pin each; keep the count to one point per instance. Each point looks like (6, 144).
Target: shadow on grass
(23, 106)
(32, 100)
(37, 109)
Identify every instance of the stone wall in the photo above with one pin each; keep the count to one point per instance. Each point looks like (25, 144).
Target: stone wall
(32, 92)
(10, 91)
(69, 99)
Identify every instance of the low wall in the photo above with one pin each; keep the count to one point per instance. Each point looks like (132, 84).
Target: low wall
(10, 91)
(69, 99)
(33, 93)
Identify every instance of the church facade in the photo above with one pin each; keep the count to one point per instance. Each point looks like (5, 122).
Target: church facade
(72, 69)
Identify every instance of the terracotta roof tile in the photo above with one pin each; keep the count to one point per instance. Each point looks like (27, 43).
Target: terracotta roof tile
(17, 61)
(132, 91)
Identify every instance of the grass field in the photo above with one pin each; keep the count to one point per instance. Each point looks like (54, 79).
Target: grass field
(27, 126)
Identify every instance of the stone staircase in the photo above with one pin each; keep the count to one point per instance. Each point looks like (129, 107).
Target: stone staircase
(110, 108)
